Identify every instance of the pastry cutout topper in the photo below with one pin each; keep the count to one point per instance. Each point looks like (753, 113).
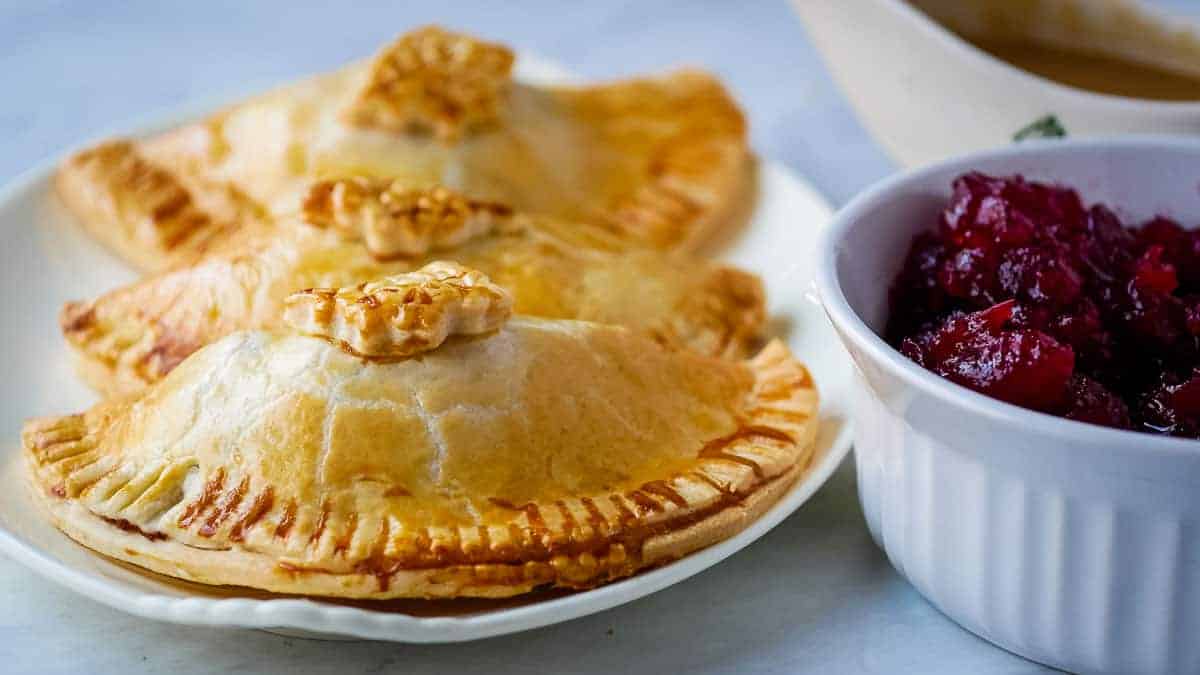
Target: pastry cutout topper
(394, 221)
(433, 79)
(402, 315)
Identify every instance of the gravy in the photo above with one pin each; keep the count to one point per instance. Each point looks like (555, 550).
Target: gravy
(1094, 72)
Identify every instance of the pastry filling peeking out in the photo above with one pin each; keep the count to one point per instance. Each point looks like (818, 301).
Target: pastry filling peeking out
(393, 221)
(402, 315)
(431, 79)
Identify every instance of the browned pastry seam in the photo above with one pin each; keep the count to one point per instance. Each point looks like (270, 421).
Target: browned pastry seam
(694, 177)
(145, 212)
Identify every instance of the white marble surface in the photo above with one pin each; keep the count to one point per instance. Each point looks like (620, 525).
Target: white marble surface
(815, 595)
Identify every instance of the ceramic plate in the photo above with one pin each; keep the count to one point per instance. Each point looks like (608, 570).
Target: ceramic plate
(47, 259)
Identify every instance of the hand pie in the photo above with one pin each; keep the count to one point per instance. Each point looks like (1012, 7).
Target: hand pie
(355, 231)
(656, 161)
(406, 438)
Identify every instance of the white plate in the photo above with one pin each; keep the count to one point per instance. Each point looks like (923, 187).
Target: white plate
(46, 259)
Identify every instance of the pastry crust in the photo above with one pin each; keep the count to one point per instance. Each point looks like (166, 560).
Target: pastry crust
(147, 213)
(659, 161)
(135, 335)
(578, 454)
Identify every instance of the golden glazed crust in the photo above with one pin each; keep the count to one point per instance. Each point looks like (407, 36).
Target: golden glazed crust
(548, 453)
(659, 162)
(135, 335)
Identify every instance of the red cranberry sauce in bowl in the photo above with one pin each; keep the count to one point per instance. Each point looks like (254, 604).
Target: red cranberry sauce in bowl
(1027, 295)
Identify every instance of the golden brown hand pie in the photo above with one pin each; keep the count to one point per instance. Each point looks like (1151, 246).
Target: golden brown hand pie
(452, 454)
(656, 161)
(353, 232)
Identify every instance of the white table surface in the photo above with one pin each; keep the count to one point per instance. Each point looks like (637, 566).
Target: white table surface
(815, 595)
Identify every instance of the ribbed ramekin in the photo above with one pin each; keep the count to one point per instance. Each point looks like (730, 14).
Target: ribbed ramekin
(1074, 545)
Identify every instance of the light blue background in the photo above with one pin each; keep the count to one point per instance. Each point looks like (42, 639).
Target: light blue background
(814, 595)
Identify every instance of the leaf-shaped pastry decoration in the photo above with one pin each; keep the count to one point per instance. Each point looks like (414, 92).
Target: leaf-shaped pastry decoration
(435, 79)
(394, 221)
(402, 315)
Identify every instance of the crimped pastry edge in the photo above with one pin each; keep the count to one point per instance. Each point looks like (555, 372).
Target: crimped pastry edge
(259, 572)
(239, 566)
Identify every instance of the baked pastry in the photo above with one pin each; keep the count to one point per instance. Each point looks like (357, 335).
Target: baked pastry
(407, 438)
(656, 161)
(357, 230)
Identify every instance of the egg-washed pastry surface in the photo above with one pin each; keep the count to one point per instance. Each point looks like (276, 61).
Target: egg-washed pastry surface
(407, 438)
(357, 230)
(657, 161)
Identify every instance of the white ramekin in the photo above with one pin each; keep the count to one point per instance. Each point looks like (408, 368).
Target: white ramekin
(1072, 544)
(925, 94)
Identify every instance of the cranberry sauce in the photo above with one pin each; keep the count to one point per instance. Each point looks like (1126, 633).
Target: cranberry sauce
(1025, 294)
